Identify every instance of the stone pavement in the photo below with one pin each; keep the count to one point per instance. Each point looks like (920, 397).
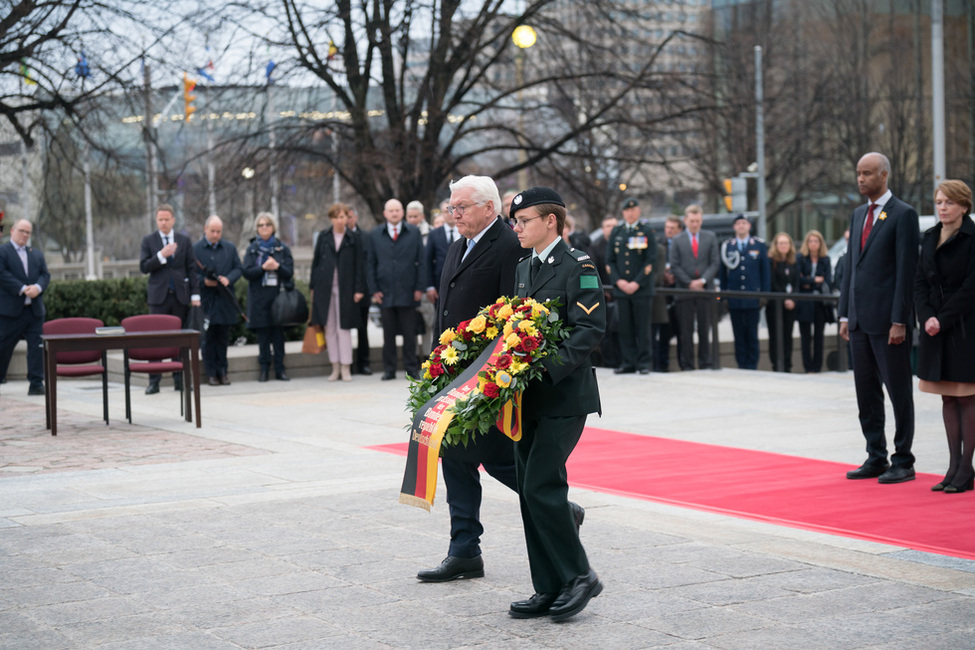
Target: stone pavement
(273, 526)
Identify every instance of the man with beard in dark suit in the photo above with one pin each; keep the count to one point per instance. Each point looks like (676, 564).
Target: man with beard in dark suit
(479, 268)
(876, 313)
(23, 279)
(167, 256)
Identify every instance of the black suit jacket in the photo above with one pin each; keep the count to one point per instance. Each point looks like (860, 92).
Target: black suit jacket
(224, 260)
(569, 385)
(12, 278)
(436, 255)
(180, 268)
(878, 282)
(485, 275)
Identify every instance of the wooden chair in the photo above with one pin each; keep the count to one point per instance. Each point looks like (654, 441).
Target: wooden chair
(153, 361)
(83, 363)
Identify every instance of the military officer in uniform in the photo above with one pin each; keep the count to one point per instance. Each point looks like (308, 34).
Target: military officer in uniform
(630, 255)
(745, 267)
(554, 408)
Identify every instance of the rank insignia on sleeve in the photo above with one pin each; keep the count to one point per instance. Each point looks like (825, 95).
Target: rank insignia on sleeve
(588, 282)
(588, 310)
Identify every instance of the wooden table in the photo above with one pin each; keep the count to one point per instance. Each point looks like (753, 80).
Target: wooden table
(188, 342)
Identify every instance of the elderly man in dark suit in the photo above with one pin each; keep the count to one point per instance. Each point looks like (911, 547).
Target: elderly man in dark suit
(555, 408)
(167, 256)
(876, 314)
(395, 273)
(218, 269)
(479, 268)
(23, 279)
(695, 263)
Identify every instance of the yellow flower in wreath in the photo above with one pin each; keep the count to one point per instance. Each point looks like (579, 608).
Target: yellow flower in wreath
(505, 312)
(512, 340)
(491, 332)
(502, 379)
(477, 325)
(447, 336)
(450, 356)
(518, 367)
(528, 327)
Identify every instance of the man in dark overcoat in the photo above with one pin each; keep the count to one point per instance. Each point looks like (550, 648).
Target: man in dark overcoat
(396, 275)
(471, 280)
(218, 269)
(167, 256)
(23, 279)
(555, 408)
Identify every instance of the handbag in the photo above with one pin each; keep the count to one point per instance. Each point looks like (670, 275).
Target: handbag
(289, 307)
(314, 341)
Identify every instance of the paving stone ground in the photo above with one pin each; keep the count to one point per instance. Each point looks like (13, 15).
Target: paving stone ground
(274, 526)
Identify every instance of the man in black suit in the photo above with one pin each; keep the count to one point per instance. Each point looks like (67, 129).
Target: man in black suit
(876, 315)
(470, 280)
(395, 273)
(555, 408)
(23, 279)
(218, 269)
(438, 244)
(167, 256)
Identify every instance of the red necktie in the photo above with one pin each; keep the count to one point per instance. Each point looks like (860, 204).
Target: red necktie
(395, 232)
(694, 244)
(868, 225)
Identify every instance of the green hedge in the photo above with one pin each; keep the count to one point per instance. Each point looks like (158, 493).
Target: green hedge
(112, 300)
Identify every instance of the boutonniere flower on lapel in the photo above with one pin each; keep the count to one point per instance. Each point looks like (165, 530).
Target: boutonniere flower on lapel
(883, 215)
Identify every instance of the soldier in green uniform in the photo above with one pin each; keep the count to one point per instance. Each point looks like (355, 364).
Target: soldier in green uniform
(554, 408)
(630, 255)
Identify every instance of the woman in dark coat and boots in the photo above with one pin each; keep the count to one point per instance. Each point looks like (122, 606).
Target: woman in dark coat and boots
(813, 267)
(944, 296)
(267, 266)
(785, 279)
(338, 277)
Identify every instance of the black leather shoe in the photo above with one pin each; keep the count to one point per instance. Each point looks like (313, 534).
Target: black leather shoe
(389, 375)
(575, 596)
(867, 470)
(263, 375)
(537, 605)
(897, 475)
(644, 371)
(152, 388)
(281, 376)
(365, 370)
(624, 371)
(578, 514)
(213, 381)
(454, 568)
(225, 380)
(35, 390)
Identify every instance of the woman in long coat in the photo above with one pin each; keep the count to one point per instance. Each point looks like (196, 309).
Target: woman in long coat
(268, 266)
(785, 279)
(813, 267)
(338, 283)
(944, 296)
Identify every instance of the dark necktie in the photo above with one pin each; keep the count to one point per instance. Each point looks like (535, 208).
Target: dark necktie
(868, 225)
(450, 235)
(536, 265)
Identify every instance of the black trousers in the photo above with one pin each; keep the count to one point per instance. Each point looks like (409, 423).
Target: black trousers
(495, 452)
(29, 327)
(744, 324)
(634, 331)
(215, 342)
(170, 305)
(788, 325)
(362, 347)
(811, 342)
(876, 365)
(266, 338)
(400, 320)
(555, 554)
(687, 312)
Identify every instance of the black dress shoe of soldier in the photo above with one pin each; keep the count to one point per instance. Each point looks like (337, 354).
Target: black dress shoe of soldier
(365, 370)
(575, 596)
(867, 470)
(263, 375)
(282, 376)
(537, 605)
(578, 514)
(454, 568)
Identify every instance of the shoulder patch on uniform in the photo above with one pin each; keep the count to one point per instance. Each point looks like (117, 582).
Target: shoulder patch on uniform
(588, 282)
(579, 255)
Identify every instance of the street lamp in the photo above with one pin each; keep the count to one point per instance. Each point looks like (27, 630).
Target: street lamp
(524, 37)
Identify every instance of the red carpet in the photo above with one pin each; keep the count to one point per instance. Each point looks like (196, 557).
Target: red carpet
(775, 488)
